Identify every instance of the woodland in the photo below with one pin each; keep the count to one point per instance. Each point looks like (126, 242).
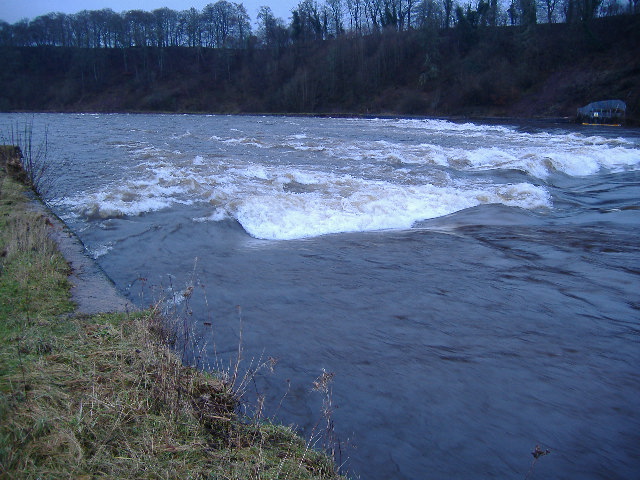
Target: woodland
(526, 58)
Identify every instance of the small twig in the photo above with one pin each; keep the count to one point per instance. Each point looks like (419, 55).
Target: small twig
(323, 384)
(537, 453)
(239, 356)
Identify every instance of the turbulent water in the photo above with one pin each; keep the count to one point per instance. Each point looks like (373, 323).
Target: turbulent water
(475, 288)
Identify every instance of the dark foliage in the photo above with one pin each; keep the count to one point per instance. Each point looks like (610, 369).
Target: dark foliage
(536, 70)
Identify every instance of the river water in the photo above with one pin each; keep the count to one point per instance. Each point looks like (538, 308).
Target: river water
(474, 288)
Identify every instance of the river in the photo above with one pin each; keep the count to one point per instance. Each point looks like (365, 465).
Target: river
(473, 287)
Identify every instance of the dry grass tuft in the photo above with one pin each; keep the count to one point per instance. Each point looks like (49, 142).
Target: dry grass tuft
(113, 400)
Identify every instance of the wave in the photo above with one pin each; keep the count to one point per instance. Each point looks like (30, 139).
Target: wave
(379, 207)
(279, 202)
(446, 126)
(464, 147)
(309, 182)
(540, 162)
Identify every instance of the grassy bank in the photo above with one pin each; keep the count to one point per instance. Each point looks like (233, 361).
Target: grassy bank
(104, 396)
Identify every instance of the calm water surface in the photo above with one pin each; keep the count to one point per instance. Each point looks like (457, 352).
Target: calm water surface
(474, 288)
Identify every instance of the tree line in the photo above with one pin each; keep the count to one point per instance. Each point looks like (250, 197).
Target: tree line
(226, 24)
(546, 69)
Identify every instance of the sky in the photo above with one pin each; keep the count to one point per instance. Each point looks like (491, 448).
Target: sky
(12, 11)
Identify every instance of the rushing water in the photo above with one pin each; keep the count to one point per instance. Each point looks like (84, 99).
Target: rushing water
(475, 288)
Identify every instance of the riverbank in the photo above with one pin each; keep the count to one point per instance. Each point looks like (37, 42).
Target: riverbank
(87, 395)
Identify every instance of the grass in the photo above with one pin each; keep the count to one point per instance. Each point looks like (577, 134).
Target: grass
(105, 396)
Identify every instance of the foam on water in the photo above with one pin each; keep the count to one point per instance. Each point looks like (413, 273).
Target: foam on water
(305, 183)
(376, 206)
(159, 188)
(537, 160)
(466, 147)
(277, 202)
(440, 126)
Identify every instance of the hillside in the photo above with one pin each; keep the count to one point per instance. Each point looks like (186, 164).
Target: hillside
(547, 70)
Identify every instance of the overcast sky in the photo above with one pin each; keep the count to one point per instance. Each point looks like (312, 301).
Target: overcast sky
(13, 10)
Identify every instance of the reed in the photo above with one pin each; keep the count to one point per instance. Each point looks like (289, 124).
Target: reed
(32, 166)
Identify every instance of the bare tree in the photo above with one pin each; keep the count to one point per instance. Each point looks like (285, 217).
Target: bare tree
(306, 23)
(581, 10)
(550, 6)
(241, 25)
(448, 12)
(166, 23)
(225, 24)
(374, 10)
(337, 14)
(138, 26)
(528, 12)
(407, 12)
(272, 31)
(191, 27)
(429, 14)
(355, 8)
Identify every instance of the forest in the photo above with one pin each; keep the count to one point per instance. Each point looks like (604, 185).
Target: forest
(408, 57)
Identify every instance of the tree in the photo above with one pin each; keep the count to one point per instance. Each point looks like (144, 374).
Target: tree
(512, 11)
(528, 12)
(272, 32)
(216, 21)
(80, 29)
(191, 28)
(241, 25)
(466, 20)
(355, 8)
(225, 24)
(139, 28)
(40, 31)
(6, 33)
(550, 6)
(99, 27)
(166, 27)
(374, 10)
(589, 9)
(390, 18)
(408, 11)
(493, 12)
(429, 14)
(60, 29)
(335, 8)
(581, 10)
(448, 11)
(306, 24)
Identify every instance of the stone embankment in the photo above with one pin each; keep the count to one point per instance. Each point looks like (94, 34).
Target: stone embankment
(92, 290)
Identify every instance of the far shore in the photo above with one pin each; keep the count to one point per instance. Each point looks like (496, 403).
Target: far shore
(475, 118)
